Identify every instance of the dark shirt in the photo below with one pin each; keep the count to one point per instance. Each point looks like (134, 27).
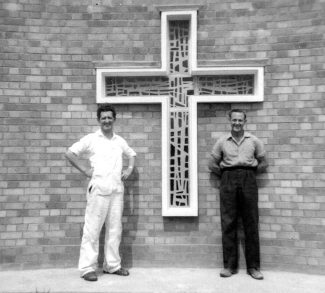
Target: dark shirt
(229, 153)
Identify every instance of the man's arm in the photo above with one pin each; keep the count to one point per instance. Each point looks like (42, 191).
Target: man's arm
(127, 172)
(214, 166)
(260, 155)
(262, 164)
(216, 157)
(73, 159)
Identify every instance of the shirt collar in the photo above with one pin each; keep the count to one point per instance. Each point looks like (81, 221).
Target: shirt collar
(246, 134)
(100, 133)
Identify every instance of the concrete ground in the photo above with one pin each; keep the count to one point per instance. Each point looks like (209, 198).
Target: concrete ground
(159, 280)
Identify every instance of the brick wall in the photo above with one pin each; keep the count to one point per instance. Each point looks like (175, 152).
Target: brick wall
(47, 89)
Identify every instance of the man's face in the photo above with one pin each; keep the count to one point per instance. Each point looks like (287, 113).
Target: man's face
(106, 121)
(237, 121)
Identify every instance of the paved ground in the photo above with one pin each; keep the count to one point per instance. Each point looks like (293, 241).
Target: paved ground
(159, 280)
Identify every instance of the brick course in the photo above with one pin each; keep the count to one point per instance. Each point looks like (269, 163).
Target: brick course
(49, 50)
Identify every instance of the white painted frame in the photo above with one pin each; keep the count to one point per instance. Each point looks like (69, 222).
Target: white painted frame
(166, 16)
(258, 96)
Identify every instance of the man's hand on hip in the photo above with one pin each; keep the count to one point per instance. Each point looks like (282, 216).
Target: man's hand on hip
(126, 173)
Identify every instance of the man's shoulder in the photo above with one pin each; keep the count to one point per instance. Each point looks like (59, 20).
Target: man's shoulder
(92, 135)
(252, 136)
(223, 137)
(119, 139)
(117, 136)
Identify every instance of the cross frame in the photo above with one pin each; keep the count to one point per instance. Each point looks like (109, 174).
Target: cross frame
(181, 13)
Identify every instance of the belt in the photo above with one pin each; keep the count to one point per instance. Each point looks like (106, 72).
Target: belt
(238, 168)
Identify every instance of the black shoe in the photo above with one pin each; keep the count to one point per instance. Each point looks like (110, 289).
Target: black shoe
(91, 276)
(226, 273)
(120, 272)
(255, 274)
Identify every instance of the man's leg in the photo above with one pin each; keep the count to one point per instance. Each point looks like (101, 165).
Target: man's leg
(113, 233)
(228, 210)
(95, 215)
(249, 210)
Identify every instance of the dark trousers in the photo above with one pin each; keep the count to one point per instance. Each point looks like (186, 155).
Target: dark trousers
(239, 197)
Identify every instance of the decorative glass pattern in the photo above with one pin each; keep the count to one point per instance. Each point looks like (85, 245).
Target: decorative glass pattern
(178, 46)
(225, 85)
(136, 86)
(181, 85)
(179, 159)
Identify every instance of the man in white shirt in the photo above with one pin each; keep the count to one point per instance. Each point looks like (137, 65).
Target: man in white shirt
(104, 149)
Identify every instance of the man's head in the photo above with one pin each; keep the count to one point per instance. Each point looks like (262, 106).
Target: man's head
(105, 108)
(106, 116)
(237, 120)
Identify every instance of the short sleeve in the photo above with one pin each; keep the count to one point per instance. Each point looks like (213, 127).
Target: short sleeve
(259, 149)
(217, 150)
(81, 146)
(128, 151)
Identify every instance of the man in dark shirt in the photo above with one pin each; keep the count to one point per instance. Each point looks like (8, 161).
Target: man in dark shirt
(237, 157)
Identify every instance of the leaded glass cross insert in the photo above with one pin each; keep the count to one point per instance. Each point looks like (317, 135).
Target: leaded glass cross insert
(183, 85)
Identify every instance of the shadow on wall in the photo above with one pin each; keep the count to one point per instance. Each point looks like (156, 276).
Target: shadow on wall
(130, 224)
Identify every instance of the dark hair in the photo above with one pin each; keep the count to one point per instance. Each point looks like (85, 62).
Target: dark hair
(237, 111)
(105, 108)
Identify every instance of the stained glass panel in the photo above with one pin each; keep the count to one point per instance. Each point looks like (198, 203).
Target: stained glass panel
(225, 85)
(136, 86)
(181, 85)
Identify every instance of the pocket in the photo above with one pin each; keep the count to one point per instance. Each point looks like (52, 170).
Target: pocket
(252, 177)
(103, 186)
(89, 191)
(224, 176)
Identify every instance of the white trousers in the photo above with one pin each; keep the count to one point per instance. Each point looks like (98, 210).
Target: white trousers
(101, 209)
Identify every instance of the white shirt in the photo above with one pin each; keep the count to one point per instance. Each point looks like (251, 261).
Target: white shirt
(105, 156)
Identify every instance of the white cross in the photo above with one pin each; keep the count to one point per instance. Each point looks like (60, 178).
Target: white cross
(193, 70)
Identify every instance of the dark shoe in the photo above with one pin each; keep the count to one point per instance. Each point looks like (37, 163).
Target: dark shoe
(120, 272)
(91, 276)
(256, 274)
(226, 273)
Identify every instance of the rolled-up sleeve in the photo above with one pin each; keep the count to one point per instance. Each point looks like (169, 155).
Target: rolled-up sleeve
(216, 152)
(259, 149)
(127, 150)
(80, 146)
